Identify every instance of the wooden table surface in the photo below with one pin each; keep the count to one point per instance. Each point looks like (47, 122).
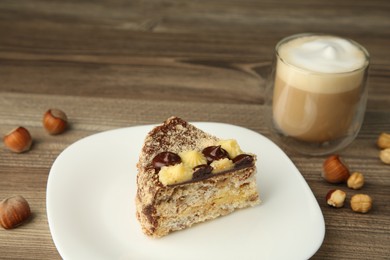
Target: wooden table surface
(113, 64)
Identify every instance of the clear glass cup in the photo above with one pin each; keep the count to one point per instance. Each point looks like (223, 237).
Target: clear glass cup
(313, 107)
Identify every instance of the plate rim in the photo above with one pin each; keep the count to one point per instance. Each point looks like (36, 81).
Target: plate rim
(61, 248)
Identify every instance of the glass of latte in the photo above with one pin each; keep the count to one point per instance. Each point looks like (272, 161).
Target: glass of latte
(316, 95)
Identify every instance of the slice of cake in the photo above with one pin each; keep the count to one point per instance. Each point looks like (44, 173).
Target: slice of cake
(186, 176)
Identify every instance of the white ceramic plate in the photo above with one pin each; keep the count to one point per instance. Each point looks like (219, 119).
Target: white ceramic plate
(91, 213)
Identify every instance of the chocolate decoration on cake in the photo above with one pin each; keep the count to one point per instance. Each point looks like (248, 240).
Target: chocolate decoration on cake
(165, 159)
(243, 160)
(201, 171)
(213, 153)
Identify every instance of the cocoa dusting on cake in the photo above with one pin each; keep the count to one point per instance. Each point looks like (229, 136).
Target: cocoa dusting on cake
(174, 135)
(186, 176)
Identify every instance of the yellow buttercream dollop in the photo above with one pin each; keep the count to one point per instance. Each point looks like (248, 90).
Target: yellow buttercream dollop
(231, 147)
(222, 165)
(192, 158)
(178, 173)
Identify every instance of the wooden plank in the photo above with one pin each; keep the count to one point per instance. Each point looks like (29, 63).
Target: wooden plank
(113, 64)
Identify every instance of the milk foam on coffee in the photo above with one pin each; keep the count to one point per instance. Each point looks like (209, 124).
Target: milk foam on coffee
(325, 54)
(317, 86)
(319, 63)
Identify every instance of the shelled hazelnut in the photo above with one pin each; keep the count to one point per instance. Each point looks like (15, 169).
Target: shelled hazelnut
(384, 155)
(361, 203)
(18, 140)
(355, 181)
(55, 121)
(383, 141)
(335, 198)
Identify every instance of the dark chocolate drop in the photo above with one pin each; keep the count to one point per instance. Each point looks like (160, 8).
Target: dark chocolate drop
(213, 153)
(243, 160)
(201, 171)
(165, 159)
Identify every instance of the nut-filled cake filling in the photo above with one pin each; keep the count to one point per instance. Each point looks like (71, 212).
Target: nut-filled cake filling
(187, 176)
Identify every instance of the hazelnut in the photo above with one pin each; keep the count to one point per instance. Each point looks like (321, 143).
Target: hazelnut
(18, 140)
(355, 181)
(55, 121)
(334, 170)
(361, 203)
(384, 155)
(335, 198)
(383, 141)
(14, 211)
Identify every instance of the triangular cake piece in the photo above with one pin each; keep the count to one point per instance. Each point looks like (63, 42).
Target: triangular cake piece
(186, 176)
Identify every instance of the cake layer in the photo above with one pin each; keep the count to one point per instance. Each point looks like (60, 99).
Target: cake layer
(163, 208)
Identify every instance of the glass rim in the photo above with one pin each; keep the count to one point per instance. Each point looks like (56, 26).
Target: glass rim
(300, 35)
